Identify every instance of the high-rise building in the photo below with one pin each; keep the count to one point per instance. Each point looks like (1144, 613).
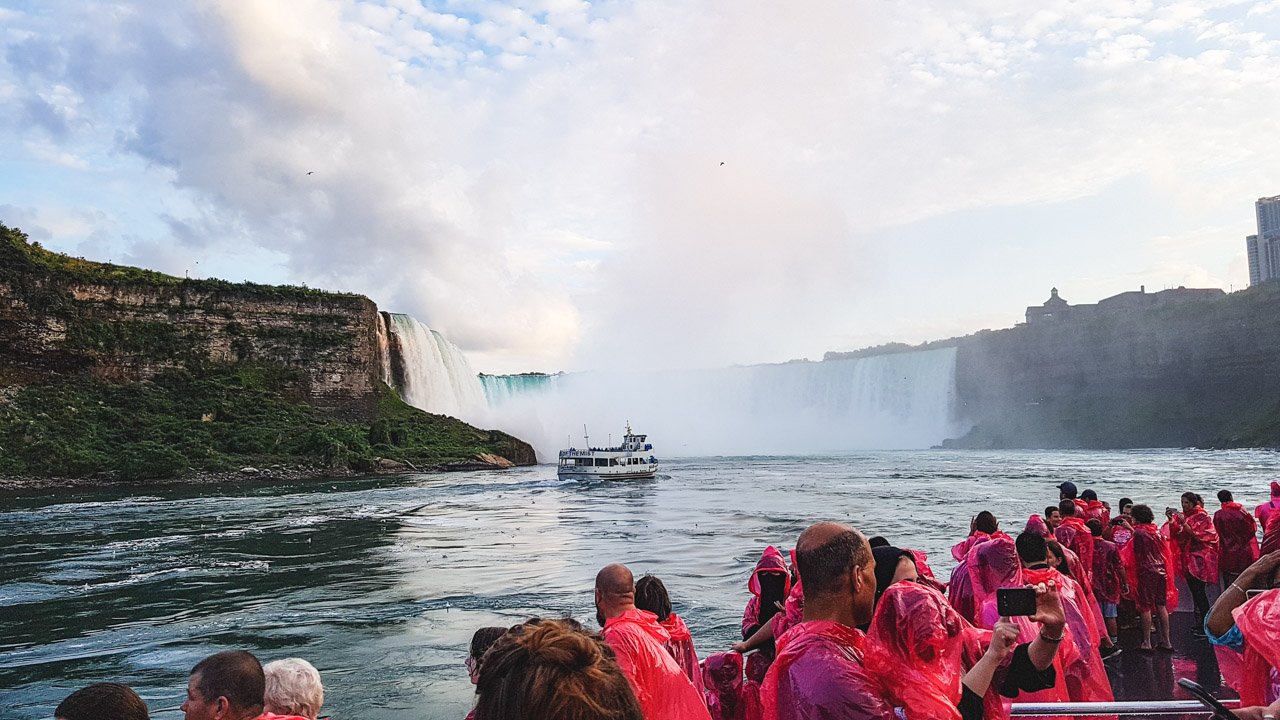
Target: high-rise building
(1264, 248)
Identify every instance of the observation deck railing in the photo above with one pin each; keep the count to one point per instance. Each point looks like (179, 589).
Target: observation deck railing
(1140, 707)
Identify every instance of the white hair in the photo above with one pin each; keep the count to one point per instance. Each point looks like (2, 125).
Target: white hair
(293, 688)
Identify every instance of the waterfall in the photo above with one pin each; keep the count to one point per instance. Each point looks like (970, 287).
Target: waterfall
(428, 371)
(893, 401)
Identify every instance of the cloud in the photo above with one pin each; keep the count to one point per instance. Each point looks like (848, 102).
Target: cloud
(541, 180)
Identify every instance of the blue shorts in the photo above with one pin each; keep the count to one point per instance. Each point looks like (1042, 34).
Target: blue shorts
(1108, 609)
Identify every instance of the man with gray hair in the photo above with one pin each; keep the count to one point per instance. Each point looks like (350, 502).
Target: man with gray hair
(293, 690)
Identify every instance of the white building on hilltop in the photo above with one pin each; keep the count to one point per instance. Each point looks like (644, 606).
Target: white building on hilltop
(1264, 248)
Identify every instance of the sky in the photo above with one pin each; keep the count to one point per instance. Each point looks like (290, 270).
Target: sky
(564, 185)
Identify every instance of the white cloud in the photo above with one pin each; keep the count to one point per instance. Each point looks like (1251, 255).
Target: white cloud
(525, 175)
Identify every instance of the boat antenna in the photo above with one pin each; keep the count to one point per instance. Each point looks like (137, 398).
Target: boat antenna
(585, 436)
(610, 439)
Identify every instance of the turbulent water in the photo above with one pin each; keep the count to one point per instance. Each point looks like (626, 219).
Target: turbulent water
(380, 582)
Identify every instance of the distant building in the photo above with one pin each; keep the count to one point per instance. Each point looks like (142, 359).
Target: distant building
(1264, 248)
(1055, 309)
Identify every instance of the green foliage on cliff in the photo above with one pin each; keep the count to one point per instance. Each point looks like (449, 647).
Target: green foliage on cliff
(214, 420)
(36, 274)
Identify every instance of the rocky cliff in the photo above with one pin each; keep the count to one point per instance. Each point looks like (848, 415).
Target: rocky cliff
(197, 348)
(1201, 373)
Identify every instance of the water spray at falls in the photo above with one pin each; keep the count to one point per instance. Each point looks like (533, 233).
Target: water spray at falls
(893, 401)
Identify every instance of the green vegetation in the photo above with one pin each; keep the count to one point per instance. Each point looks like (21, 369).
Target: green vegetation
(36, 274)
(213, 420)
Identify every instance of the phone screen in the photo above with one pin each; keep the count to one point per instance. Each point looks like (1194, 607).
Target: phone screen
(1011, 602)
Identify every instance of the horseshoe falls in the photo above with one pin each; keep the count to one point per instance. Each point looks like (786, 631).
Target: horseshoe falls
(881, 402)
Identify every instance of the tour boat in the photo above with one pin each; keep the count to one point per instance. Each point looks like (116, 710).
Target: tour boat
(629, 461)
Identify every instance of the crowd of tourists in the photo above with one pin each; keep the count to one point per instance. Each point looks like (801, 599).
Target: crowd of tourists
(849, 627)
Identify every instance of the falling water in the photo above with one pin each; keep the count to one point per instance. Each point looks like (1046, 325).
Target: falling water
(895, 401)
(430, 372)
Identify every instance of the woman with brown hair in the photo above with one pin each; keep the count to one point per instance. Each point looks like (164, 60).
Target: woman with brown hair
(549, 670)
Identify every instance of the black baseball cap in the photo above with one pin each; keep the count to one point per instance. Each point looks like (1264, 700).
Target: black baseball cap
(1069, 488)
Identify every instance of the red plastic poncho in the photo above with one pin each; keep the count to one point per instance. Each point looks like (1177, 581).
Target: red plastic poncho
(273, 716)
(1108, 571)
(1197, 545)
(1075, 535)
(818, 675)
(960, 591)
(792, 614)
(757, 667)
(1263, 511)
(926, 573)
(1148, 559)
(680, 645)
(1095, 510)
(662, 688)
(722, 675)
(1237, 538)
(918, 650)
(1036, 524)
(991, 566)
(771, 560)
(1271, 533)
(1082, 668)
(1259, 622)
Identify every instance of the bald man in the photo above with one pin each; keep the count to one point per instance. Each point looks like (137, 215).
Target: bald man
(662, 688)
(818, 673)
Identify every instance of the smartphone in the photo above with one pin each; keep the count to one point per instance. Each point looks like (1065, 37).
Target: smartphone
(1220, 711)
(1016, 601)
(1170, 511)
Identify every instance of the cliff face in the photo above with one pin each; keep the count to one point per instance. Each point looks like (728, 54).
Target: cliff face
(1199, 373)
(133, 332)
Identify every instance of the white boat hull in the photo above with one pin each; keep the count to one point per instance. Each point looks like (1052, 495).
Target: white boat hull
(617, 474)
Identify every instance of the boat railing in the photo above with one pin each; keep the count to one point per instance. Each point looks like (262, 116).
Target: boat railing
(1138, 707)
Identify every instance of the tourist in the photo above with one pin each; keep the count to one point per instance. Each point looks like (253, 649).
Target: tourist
(1037, 525)
(1052, 517)
(1197, 541)
(1250, 627)
(102, 701)
(818, 672)
(932, 663)
(1094, 509)
(722, 676)
(652, 595)
(661, 686)
(225, 686)
(770, 584)
(1126, 507)
(893, 565)
(1119, 530)
(1237, 537)
(552, 670)
(1148, 561)
(1067, 491)
(292, 690)
(1109, 583)
(982, 528)
(481, 641)
(1083, 671)
(1073, 534)
(1263, 511)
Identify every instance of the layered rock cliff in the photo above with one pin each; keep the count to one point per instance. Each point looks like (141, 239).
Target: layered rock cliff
(93, 327)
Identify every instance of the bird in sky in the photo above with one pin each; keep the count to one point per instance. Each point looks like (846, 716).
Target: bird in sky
(313, 172)
(722, 164)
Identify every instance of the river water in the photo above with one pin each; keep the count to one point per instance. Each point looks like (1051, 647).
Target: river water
(381, 581)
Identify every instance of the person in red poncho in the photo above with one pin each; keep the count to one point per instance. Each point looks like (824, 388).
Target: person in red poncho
(1095, 509)
(1192, 529)
(662, 688)
(818, 673)
(722, 676)
(1073, 535)
(652, 595)
(1263, 511)
(1082, 668)
(1148, 560)
(1237, 537)
(293, 690)
(932, 664)
(770, 584)
(1109, 583)
(1239, 626)
(982, 528)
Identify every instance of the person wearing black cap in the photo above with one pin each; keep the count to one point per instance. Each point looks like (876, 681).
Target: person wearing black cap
(1067, 491)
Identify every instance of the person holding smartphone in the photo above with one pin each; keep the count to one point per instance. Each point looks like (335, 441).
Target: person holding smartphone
(1245, 633)
(1193, 531)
